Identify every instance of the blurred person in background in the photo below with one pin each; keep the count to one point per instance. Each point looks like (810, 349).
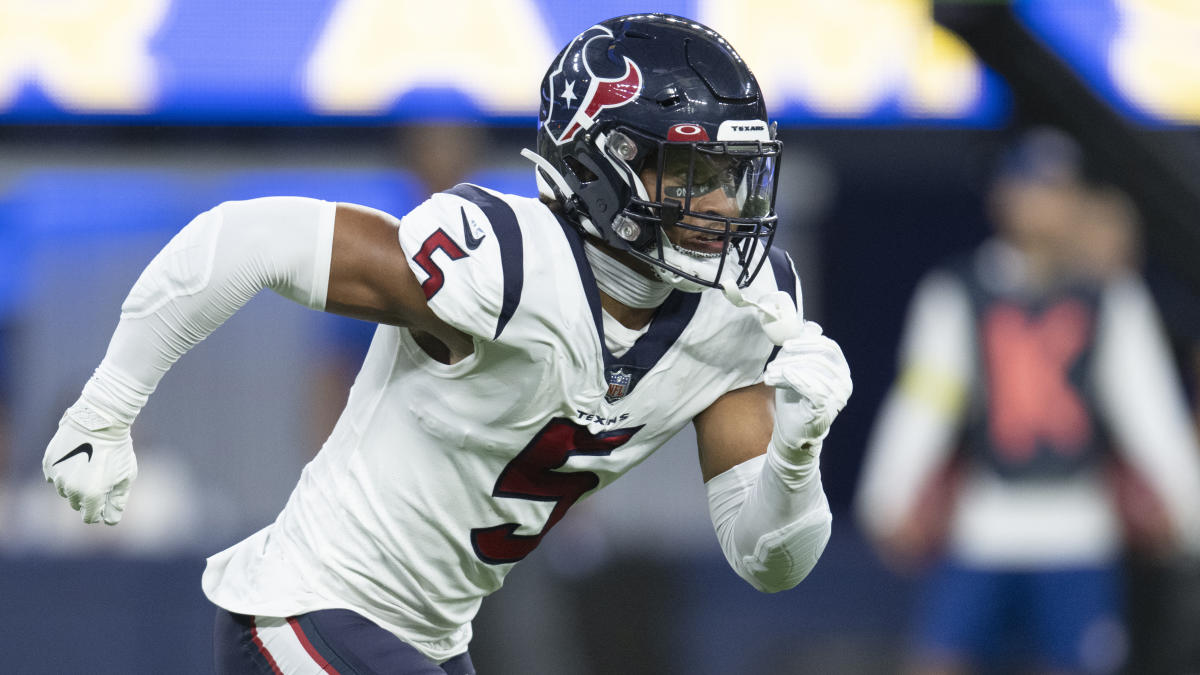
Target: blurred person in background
(1021, 366)
(441, 154)
(534, 350)
(1108, 238)
(1164, 581)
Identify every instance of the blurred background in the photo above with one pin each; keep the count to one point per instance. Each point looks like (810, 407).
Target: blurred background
(122, 119)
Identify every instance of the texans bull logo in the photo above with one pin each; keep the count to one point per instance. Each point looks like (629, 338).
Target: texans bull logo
(569, 109)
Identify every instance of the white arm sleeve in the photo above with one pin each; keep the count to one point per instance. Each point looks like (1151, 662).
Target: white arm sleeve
(916, 426)
(200, 278)
(1138, 391)
(772, 520)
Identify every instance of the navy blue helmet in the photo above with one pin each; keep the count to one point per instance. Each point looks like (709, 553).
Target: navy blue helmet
(641, 117)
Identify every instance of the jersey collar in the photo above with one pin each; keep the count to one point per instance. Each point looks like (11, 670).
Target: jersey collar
(667, 324)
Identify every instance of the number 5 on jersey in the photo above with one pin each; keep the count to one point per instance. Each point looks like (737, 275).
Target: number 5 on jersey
(424, 258)
(532, 475)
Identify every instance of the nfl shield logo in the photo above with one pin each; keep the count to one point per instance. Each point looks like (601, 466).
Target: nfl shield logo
(618, 384)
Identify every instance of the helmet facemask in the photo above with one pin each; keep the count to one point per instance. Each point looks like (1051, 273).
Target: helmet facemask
(701, 212)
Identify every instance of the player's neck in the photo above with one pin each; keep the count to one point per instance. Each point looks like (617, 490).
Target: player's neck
(630, 288)
(633, 318)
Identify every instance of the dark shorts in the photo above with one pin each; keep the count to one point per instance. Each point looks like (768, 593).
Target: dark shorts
(329, 641)
(1064, 619)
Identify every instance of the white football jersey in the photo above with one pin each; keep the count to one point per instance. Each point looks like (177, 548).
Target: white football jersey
(438, 478)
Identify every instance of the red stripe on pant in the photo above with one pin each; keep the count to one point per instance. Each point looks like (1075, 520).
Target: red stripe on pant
(262, 649)
(312, 651)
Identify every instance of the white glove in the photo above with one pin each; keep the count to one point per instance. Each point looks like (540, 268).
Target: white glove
(90, 461)
(812, 384)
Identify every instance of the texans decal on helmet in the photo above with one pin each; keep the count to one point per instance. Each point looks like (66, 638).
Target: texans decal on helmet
(575, 71)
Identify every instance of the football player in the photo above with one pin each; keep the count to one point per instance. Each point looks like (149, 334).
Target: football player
(529, 353)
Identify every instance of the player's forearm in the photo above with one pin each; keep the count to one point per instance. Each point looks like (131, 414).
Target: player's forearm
(911, 441)
(772, 519)
(1142, 400)
(207, 272)
(914, 432)
(771, 515)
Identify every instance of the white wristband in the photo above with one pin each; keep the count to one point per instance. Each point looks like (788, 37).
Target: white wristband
(795, 466)
(109, 398)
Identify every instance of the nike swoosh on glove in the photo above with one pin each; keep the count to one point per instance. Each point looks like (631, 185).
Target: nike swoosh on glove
(812, 385)
(91, 463)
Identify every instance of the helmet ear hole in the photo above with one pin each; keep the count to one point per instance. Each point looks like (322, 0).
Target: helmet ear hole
(584, 174)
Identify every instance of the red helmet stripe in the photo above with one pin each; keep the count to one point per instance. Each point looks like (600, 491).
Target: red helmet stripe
(608, 94)
(612, 93)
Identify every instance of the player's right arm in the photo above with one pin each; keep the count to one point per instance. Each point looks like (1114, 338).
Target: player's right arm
(369, 278)
(333, 257)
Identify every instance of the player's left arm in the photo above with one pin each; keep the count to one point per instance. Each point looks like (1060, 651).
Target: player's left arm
(760, 450)
(1139, 393)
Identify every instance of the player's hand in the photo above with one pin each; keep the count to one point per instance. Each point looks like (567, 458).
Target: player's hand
(812, 384)
(90, 461)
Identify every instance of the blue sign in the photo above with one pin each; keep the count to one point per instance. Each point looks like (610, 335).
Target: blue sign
(1142, 57)
(366, 61)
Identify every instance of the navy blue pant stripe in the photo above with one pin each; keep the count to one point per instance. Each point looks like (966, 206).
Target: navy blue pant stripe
(349, 642)
(317, 640)
(234, 651)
